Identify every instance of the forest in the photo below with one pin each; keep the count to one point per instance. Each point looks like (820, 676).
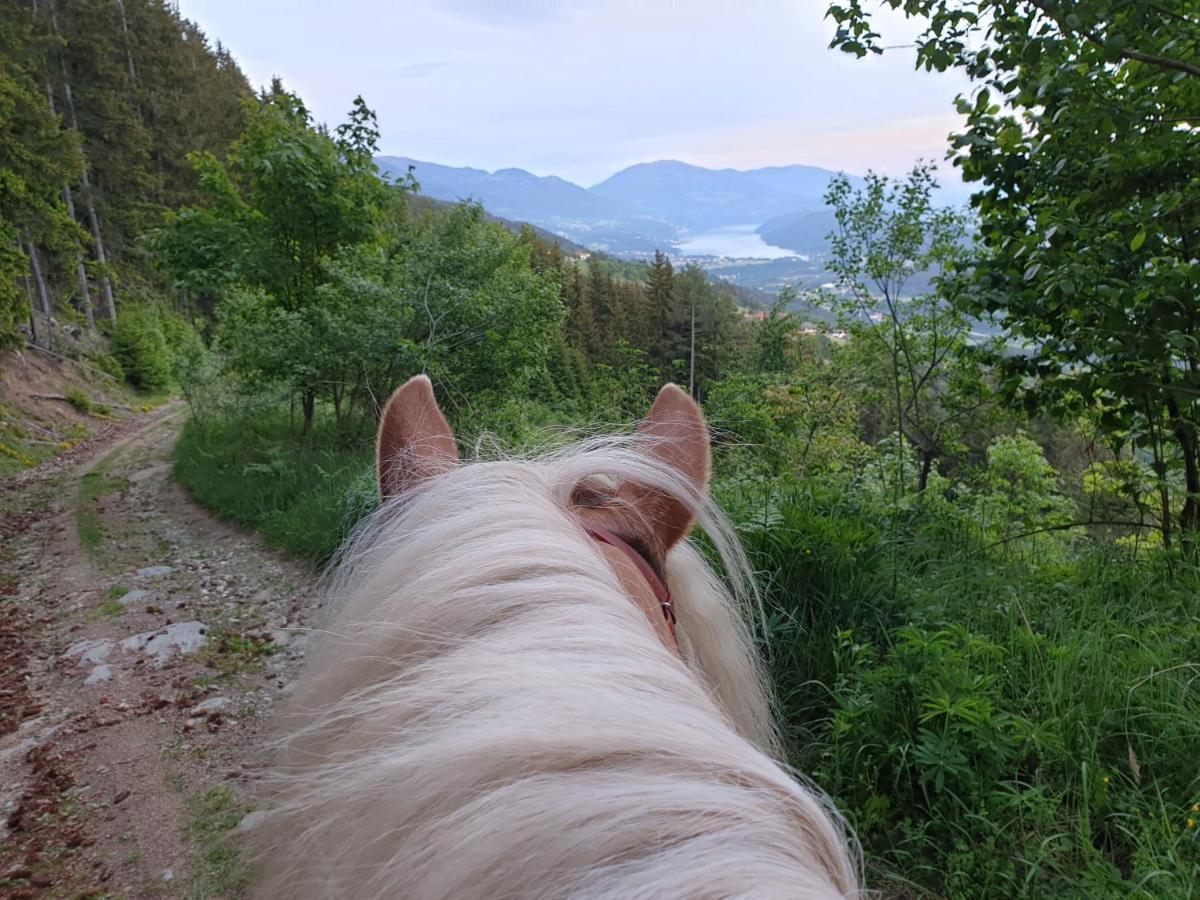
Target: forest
(978, 555)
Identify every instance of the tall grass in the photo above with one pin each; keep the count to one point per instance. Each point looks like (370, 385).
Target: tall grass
(991, 727)
(304, 493)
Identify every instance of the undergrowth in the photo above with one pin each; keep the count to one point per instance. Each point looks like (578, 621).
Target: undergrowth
(304, 493)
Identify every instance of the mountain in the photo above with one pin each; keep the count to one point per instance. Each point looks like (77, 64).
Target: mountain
(800, 232)
(702, 199)
(549, 202)
(425, 202)
(655, 205)
(640, 209)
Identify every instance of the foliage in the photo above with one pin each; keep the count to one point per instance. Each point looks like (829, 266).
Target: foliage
(1079, 132)
(888, 232)
(37, 156)
(993, 724)
(140, 348)
(101, 102)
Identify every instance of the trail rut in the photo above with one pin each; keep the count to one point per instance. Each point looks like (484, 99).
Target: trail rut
(143, 646)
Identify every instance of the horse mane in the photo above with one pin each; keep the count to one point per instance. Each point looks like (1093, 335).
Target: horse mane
(487, 713)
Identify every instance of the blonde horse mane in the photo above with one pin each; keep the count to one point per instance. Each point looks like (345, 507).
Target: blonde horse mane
(488, 715)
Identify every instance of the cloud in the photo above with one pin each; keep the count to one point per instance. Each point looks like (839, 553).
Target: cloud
(581, 88)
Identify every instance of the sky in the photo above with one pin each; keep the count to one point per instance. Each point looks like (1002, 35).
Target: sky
(583, 88)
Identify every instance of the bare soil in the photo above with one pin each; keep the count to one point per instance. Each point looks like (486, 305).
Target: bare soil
(143, 646)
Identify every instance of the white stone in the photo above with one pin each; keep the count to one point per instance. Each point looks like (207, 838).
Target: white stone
(211, 705)
(98, 675)
(90, 652)
(137, 596)
(181, 637)
(154, 571)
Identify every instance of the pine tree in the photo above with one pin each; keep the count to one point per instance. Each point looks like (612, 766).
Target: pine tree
(36, 157)
(660, 296)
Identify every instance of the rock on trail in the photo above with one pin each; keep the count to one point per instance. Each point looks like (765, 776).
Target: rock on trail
(138, 670)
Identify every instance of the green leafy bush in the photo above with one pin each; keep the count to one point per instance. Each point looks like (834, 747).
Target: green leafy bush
(139, 346)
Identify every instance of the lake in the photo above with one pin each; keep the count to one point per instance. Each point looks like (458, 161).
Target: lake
(734, 242)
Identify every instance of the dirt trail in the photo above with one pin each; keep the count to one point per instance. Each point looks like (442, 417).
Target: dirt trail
(143, 646)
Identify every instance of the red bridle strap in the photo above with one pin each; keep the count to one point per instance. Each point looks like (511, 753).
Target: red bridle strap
(660, 590)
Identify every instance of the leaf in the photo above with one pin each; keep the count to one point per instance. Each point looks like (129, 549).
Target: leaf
(1138, 240)
(1134, 766)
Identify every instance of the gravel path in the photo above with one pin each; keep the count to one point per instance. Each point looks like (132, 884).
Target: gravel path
(143, 645)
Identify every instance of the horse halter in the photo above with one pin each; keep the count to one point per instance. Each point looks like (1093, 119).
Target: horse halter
(657, 586)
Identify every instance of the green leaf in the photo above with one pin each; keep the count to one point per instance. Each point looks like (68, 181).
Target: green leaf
(1138, 240)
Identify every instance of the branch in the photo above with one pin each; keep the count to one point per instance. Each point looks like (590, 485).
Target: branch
(1067, 527)
(1162, 62)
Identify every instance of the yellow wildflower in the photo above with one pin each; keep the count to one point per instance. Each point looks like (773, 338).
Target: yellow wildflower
(1191, 823)
(1106, 779)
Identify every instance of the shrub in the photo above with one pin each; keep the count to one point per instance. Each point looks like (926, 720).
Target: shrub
(79, 400)
(140, 347)
(108, 363)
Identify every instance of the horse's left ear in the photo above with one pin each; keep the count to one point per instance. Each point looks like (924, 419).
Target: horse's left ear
(675, 433)
(415, 441)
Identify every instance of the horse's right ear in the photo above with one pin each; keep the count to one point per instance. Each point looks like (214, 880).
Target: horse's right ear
(415, 441)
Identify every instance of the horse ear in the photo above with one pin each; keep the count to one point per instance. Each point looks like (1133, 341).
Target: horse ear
(674, 433)
(415, 441)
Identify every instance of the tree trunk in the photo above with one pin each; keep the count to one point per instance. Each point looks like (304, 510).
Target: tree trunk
(926, 468)
(85, 291)
(106, 291)
(128, 48)
(692, 353)
(39, 277)
(1185, 434)
(309, 404)
(32, 309)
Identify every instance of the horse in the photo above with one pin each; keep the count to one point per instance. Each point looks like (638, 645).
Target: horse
(534, 685)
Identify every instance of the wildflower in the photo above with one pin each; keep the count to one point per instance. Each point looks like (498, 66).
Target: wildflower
(1106, 779)
(1191, 823)
(1196, 807)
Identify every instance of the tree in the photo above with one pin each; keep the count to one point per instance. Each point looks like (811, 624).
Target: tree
(37, 156)
(889, 235)
(1081, 132)
(775, 336)
(702, 327)
(660, 299)
(284, 205)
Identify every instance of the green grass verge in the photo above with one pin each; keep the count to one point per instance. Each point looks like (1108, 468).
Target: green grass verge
(220, 870)
(303, 494)
(992, 726)
(93, 487)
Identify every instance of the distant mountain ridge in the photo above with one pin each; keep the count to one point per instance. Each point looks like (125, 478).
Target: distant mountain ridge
(639, 209)
(649, 206)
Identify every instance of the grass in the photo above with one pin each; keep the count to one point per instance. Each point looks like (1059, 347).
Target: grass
(220, 870)
(231, 651)
(19, 449)
(991, 726)
(93, 487)
(303, 493)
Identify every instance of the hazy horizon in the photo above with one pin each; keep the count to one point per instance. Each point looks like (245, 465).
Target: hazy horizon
(584, 88)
